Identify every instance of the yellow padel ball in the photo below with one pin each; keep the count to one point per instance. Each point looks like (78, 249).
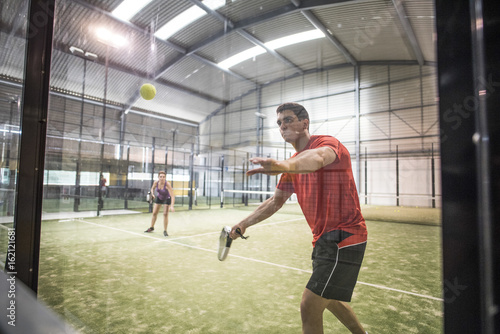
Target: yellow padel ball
(148, 91)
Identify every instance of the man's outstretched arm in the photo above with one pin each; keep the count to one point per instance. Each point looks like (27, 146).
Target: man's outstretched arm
(305, 162)
(264, 211)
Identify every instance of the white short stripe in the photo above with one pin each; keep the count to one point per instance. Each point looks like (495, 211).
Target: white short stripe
(364, 242)
(333, 270)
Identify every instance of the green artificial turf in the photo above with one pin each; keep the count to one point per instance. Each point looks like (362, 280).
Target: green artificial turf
(105, 275)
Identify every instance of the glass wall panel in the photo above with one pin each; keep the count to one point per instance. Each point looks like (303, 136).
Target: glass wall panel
(13, 45)
(106, 145)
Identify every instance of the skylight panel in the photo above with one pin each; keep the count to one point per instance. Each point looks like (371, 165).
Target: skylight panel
(186, 18)
(128, 8)
(242, 56)
(275, 44)
(294, 39)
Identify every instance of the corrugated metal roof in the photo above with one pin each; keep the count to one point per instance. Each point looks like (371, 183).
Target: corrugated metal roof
(239, 10)
(422, 18)
(183, 68)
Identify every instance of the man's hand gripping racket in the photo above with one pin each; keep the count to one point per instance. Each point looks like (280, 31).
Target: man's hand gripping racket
(225, 241)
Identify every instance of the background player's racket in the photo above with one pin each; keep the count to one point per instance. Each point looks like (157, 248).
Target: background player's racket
(225, 242)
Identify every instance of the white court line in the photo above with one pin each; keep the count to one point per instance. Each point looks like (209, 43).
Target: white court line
(260, 225)
(254, 260)
(147, 236)
(402, 291)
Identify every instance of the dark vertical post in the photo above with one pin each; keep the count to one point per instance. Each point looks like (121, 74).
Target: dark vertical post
(76, 200)
(126, 177)
(183, 187)
(247, 179)
(421, 105)
(222, 181)
(243, 179)
(13, 142)
(100, 202)
(28, 211)
(389, 142)
(366, 177)
(153, 149)
(166, 160)
(268, 182)
(173, 151)
(481, 140)
(397, 175)
(234, 176)
(205, 177)
(357, 134)
(491, 12)
(191, 177)
(469, 89)
(209, 178)
(261, 176)
(433, 172)
(121, 169)
(123, 125)
(152, 170)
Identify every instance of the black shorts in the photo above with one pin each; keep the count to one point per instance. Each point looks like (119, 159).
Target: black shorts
(166, 201)
(335, 271)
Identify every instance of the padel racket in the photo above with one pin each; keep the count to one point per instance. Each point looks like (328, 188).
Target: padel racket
(225, 242)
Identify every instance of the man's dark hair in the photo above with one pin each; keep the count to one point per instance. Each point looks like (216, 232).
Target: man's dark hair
(297, 109)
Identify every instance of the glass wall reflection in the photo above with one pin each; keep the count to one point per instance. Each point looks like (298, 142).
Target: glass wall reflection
(11, 82)
(106, 145)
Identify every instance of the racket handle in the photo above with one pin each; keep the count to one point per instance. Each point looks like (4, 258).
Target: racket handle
(238, 231)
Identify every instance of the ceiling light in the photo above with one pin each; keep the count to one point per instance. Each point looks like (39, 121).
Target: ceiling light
(91, 56)
(277, 43)
(107, 37)
(128, 8)
(185, 18)
(77, 51)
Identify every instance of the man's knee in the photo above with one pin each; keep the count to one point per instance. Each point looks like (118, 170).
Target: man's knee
(311, 306)
(306, 313)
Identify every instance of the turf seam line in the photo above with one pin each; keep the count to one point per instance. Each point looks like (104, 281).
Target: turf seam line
(260, 261)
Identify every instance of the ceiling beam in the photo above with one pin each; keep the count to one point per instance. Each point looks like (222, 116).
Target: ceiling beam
(247, 35)
(316, 70)
(243, 24)
(212, 12)
(319, 25)
(64, 48)
(408, 29)
(111, 106)
(278, 56)
(91, 7)
(211, 63)
(157, 76)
